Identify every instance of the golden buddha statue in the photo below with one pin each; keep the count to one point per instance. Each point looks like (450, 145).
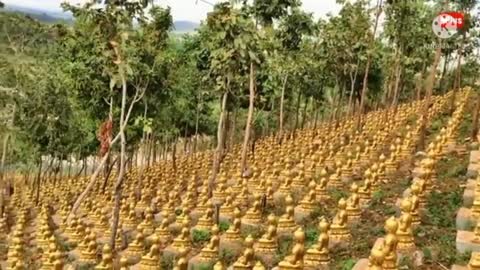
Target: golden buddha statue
(131, 221)
(83, 245)
(309, 202)
(162, 231)
(295, 260)
(147, 225)
(205, 222)
(259, 266)
(365, 191)
(347, 169)
(247, 260)
(103, 225)
(321, 188)
(89, 256)
(404, 233)
(15, 253)
(339, 229)
(151, 260)
(107, 259)
(78, 235)
(124, 264)
(233, 232)
(286, 223)
(390, 243)
(414, 198)
(375, 260)
(353, 204)
(49, 257)
(182, 262)
(299, 180)
(227, 208)
(254, 214)
(219, 266)
(135, 248)
(220, 193)
(72, 227)
(390, 164)
(335, 180)
(267, 244)
(269, 193)
(319, 254)
(210, 251)
(242, 198)
(185, 215)
(286, 187)
(183, 239)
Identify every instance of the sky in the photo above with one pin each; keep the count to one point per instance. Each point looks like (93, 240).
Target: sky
(189, 10)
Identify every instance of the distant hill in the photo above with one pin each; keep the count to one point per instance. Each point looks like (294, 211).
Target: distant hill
(54, 17)
(185, 26)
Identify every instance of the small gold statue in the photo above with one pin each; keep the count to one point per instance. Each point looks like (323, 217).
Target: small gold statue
(319, 254)
(295, 261)
(233, 232)
(339, 229)
(390, 243)
(267, 244)
(353, 204)
(247, 260)
(404, 233)
(286, 223)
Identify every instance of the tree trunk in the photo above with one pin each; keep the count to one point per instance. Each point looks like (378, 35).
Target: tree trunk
(353, 80)
(2, 173)
(219, 150)
(428, 94)
(444, 71)
(419, 84)
(473, 137)
(282, 101)
(305, 108)
(297, 112)
(197, 120)
(369, 62)
(38, 180)
(81, 170)
(249, 118)
(457, 81)
(123, 143)
(108, 170)
(85, 164)
(174, 155)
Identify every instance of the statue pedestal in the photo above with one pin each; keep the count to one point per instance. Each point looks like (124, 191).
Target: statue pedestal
(464, 220)
(469, 193)
(132, 260)
(464, 242)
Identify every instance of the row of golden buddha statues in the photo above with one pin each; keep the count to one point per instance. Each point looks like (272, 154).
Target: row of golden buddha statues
(162, 210)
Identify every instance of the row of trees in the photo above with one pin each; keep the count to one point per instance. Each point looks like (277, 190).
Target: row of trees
(118, 82)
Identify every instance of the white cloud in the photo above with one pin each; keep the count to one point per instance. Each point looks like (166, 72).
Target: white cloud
(191, 10)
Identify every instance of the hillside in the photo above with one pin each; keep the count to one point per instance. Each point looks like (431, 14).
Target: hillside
(46, 16)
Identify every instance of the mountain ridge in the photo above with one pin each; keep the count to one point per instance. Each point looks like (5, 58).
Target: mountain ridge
(180, 26)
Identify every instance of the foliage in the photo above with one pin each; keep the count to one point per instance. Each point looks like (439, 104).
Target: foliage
(200, 236)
